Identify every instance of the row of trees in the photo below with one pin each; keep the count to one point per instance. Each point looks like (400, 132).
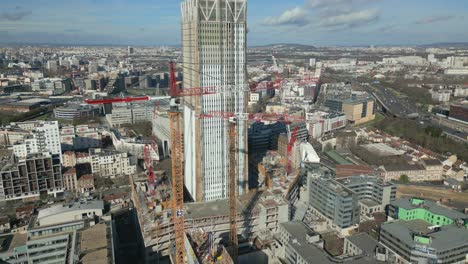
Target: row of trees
(430, 137)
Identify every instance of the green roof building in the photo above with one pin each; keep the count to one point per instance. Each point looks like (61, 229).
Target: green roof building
(431, 212)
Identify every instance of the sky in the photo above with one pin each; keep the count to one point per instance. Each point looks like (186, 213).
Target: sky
(311, 22)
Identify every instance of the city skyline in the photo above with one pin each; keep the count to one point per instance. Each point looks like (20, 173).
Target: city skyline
(313, 22)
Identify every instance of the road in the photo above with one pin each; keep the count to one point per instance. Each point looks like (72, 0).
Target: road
(400, 107)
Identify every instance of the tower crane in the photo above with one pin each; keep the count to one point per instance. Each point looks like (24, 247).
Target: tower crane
(264, 117)
(232, 189)
(175, 119)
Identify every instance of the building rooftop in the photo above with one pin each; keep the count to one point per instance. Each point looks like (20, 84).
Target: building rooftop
(403, 166)
(448, 237)
(10, 241)
(432, 162)
(95, 246)
(365, 242)
(70, 171)
(94, 237)
(430, 206)
(63, 208)
(383, 150)
(221, 208)
(346, 170)
(309, 252)
(363, 178)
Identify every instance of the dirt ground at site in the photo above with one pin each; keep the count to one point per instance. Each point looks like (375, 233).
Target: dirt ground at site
(457, 200)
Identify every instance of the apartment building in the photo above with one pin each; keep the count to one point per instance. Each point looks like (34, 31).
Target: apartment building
(80, 137)
(108, 163)
(29, 177)
(33, 137)
(427, 170)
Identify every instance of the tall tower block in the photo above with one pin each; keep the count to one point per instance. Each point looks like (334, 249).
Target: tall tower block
(214, 54)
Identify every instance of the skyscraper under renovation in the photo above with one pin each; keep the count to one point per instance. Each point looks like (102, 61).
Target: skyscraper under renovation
(214, 54)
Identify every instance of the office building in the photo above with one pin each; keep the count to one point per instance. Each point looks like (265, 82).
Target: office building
(373, 193)
(323, 123)
(264, 137)
(214, 54)
(358, 107)
(417, 241)
(76, 111)
(130, 114)
(344, 201)
(336, 203)
(72, 236)
(431, 212)
(29, 177)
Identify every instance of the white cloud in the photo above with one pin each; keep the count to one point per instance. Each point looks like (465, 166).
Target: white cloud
(326, 3)
(353, 19)
(296, 16)
(434, 19)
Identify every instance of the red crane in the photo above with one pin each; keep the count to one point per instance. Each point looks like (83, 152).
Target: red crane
(149, 168)
(117, 100)
(273, 117)
(266, 117)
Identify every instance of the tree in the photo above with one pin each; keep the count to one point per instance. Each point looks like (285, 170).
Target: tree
(464, 186)
(328, 147)
(404, 179)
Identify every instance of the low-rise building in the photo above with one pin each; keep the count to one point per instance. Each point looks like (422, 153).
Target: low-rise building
(69, 159)
(427, 170)
(24, 212)
(415, 172)
(76, 111)
(85, 183)
(416, 208)
(300, 245)
(62, 213)
(362, 244)
(70, 180)
(64, 241)
(4, 224)
(417, 241)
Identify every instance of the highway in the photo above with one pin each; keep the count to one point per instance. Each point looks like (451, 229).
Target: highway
(400, 107)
